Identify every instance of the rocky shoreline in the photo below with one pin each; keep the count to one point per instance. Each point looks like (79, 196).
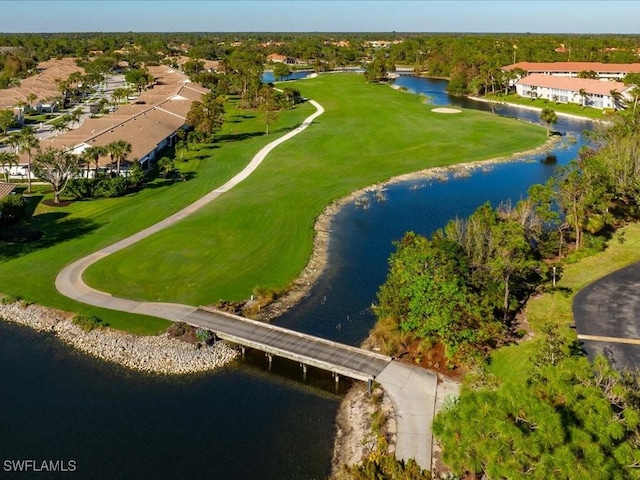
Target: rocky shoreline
(160, 354)
(167, 356)
(354, 438)
(302, 285)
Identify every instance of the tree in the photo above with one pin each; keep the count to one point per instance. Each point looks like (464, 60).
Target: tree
(616, 98)
(246, 68)
(206, 116)
(93, 154)
(8, 159)
(281, 70)
(588, 74)
(6, 120)
(75, 116)
(26, 141)
(428, 293)
(56, 167)
(118, 151)
(549, 117)
(582, 190)
(377, 70)
(166, 166)
(61, 125)
(269, 105)
(120, 93)
(583, 97)
(563, 421)
(139, 77)
(32, 97)
(497, 252)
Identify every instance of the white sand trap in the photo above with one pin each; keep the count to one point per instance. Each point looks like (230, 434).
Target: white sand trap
(445, 110)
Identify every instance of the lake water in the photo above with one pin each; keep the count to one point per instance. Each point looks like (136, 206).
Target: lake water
(242, 422)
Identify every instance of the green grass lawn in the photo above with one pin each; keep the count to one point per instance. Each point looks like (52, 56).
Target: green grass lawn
(259, 234)
(556, 305)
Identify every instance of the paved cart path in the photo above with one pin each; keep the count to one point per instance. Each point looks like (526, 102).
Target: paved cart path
(411, 389)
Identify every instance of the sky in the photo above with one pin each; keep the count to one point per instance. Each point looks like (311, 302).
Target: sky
(478, 16)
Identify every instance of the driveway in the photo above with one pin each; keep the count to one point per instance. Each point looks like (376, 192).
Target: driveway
(607, 317)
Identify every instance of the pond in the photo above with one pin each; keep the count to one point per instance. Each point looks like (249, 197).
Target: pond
(244, 421)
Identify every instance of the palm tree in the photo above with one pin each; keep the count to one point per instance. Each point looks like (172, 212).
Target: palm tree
(118, 151)
(549, 117)
(8, 159)
(75, 116)
(583, 97)
(26, 142)
(62, 124)
(93, 153)
(32, 97)
(616, 98)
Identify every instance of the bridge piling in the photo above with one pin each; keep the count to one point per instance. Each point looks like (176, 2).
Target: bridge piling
(270, 357)
(304, 372)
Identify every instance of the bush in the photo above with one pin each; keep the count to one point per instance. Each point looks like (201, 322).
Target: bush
(88, 322)
(81, 187)
(204, 335)
(12, 209)
(9, 299)
(111, 187)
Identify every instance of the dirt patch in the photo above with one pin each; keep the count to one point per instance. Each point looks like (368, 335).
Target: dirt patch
(62, 203)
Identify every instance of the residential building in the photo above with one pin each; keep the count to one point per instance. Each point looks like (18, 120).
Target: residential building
(583, 91)
(42, 85)
(149, 125)
(277, 58)
(6, 189)
(605, 71)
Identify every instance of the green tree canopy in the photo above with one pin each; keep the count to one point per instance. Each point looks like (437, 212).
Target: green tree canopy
(564, 421)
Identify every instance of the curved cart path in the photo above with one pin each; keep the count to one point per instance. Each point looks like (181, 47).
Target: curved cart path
(412, 390)
(607, 317)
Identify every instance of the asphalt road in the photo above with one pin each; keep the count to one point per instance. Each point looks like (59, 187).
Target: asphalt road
(607, 317)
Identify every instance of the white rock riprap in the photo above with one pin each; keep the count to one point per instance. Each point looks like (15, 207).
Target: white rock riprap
(159, 354)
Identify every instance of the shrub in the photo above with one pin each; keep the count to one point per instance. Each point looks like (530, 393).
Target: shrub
(204, 335)
(111, 187)
(12, 209)
(81, 187)
(87, 322)
(9, 299)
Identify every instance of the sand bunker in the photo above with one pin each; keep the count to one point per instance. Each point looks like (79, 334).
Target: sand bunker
(445, 110)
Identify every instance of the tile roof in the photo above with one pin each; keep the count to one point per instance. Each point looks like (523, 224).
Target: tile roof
(42, 84)
(143, 125)
(6, 189)
(576, 67)
(573, 84)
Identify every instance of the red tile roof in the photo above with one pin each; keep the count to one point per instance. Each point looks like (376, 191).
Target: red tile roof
(576, 67)
(572, 84)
